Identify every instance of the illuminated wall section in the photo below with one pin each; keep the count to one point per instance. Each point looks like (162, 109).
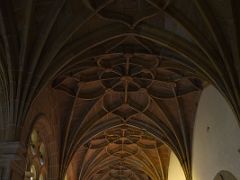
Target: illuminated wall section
(175, 171)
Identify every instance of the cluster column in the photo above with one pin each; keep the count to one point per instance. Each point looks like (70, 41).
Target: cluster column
(12, 164)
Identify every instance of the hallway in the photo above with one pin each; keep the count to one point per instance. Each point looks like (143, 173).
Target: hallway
(119, 90)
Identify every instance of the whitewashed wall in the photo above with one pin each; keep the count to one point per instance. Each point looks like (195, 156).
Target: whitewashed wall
(216, 141)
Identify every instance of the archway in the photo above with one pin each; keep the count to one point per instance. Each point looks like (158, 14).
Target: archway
(225, 175)
(41, 156)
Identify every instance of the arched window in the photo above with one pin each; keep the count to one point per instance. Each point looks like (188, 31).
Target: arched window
(224, 175)
(36, 158)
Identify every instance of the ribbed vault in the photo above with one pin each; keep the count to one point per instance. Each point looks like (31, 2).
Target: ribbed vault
(149, 92)
(122, 152)
(117, 65)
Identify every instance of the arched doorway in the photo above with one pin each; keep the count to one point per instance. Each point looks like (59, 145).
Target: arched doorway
(225, 175)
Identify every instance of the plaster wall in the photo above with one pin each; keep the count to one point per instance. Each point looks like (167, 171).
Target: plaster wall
(216, 140)
(175, 171)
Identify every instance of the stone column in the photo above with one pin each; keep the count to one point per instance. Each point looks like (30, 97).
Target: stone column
(10, 156)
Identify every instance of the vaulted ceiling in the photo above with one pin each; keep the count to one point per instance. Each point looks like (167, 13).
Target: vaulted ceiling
(130, 72)
(126, 91)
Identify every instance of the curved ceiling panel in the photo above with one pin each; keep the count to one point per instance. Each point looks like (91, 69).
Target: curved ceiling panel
(141, 63)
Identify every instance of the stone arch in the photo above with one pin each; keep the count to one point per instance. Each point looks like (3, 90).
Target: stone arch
(44, 129)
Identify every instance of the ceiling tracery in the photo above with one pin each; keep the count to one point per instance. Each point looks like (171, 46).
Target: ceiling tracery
(117, 64)
(129, 91)
(124, 152)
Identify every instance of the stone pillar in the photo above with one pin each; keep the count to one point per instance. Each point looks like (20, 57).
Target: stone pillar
(10, 158)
